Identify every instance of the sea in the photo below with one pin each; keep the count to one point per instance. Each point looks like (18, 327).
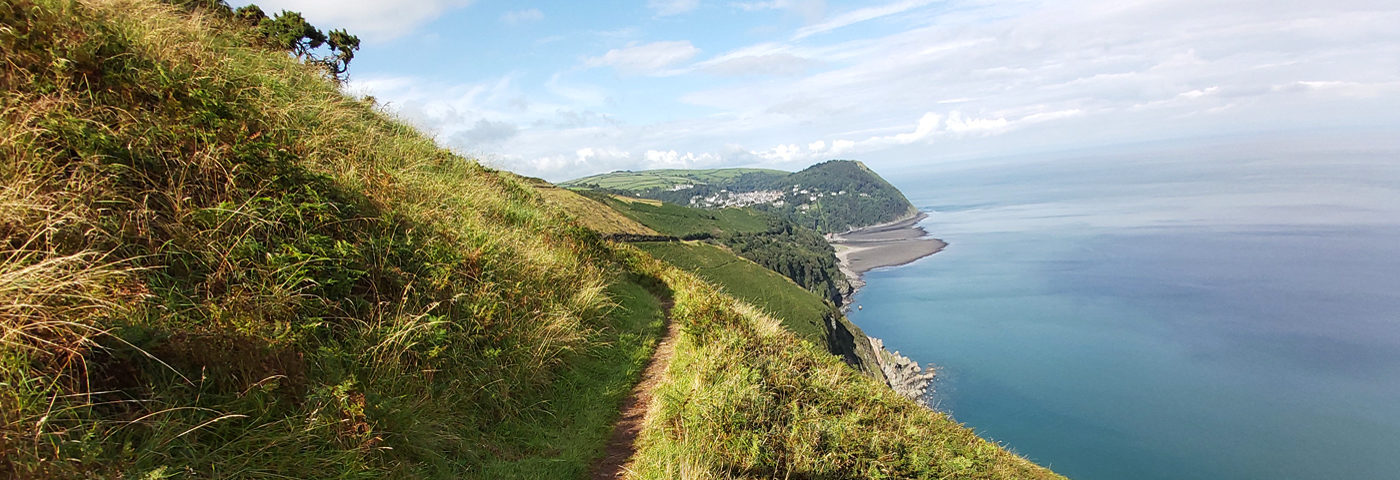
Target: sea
(1205, 309)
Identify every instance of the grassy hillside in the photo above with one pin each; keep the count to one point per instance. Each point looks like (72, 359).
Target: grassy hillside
(665, 179)
(745, 399)
(592, 214)
(802, 312)
(685, 222)
(216, 265)
(798, 310)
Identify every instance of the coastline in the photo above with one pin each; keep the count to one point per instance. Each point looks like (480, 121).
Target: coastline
(887, 245)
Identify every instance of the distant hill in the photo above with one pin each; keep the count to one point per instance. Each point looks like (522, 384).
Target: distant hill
(832, 196)
(663, 180)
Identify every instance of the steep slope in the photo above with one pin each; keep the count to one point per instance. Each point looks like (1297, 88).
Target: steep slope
(592, 214)
(743, 398)
(798, 310)
(216, 265)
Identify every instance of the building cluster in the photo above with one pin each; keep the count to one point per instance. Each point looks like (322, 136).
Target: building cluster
(800, 197)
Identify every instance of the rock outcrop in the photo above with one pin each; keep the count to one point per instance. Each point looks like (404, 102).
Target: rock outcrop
(902, 374)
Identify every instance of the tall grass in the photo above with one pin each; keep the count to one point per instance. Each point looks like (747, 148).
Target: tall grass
(216, 265)
(744, 398)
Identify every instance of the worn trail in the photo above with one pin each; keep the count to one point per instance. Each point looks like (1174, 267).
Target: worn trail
(623, 443)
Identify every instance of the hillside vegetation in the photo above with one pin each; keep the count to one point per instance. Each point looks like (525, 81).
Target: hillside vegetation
(832, 196)
(798, 310)
(745, 399)
(666, 179)
(684, 222)
(592, 214)
(216, 265)
(798, 253)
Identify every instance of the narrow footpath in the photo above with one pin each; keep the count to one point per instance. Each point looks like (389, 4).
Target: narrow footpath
(623, 443)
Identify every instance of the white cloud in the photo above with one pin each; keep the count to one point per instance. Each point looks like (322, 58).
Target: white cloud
(810, 10)
(856, 16)
(765, 64)
(649, 58)
(966, 74)
(375, 20)
(672, 7)
(957, 123)
(517, 17)
(674, 159)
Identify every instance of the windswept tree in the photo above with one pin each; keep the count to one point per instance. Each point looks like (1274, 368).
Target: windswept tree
(290, 32)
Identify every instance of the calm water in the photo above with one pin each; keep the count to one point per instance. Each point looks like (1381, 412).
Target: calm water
(1230, 311)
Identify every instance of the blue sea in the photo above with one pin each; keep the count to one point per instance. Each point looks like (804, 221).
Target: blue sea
(1224, 310)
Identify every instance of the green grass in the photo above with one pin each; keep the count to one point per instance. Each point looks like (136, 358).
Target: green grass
(666, 178)
(744, 398)
(799, 310)
(591, 213)
(217, 265)
(682, 221)
(565, 437)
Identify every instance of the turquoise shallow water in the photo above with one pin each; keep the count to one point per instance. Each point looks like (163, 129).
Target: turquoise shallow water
(1162, 321)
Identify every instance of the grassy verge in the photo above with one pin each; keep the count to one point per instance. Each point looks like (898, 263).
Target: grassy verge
(563, 438)
(797, 309)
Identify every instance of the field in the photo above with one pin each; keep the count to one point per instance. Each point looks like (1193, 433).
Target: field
(665, 179)
(679, 221)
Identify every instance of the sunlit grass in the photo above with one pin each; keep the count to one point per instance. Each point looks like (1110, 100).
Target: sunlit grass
(217, 265)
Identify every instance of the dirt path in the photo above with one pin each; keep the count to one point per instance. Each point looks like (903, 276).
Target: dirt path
(622, 444)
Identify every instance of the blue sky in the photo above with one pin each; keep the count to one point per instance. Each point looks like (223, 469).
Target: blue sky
(565, 89)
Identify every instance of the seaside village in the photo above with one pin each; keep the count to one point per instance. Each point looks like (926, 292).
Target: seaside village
(798, 196)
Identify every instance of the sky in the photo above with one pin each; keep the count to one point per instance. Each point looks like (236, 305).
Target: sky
(560, 90)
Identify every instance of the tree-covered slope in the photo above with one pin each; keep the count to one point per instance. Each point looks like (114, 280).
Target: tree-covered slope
(214, 264)
(867, 199)
(832, 196)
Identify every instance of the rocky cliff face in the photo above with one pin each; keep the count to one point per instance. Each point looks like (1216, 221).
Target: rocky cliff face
(903, 375)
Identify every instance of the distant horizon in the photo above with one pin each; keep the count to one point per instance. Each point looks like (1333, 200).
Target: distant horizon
(562, 90)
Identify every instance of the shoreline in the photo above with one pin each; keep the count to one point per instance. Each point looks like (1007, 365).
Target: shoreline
(888, 244)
